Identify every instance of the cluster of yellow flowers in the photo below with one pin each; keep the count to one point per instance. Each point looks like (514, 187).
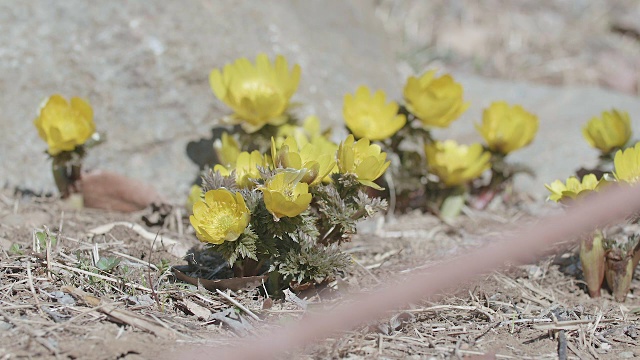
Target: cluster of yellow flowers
(603, 257)
(626, 170)
(435, 102)
(609, 132)
(259, 95)
(293, 171)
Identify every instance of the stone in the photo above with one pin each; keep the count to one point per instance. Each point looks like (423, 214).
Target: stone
(144, 66)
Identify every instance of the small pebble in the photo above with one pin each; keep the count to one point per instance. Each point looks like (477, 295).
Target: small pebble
(4, 326)
(63, 298)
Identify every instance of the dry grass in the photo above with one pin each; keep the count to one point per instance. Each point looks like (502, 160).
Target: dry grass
(55, 302)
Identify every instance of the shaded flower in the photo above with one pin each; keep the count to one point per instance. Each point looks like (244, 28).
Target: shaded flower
(436, 102)
(227, 150)
(246, 168)
(258, 94)
(456, 164)
(309, 130)
(370, 116)
(195, 195)
(312, 158)
(573, 188)
(507, 128)
(285, 195)
(64, 125)
(610, 131)
(221, 216)
(365, 160)
(627, 164)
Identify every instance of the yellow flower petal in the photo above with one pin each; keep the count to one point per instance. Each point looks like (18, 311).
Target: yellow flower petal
(507, 128)
(363, 159)
(612, 130)
(64, 125)
(573, 188)
(285, 195)
(627, 164)
(221, 216)
(369, 116)
(436, 102)
(456, 164)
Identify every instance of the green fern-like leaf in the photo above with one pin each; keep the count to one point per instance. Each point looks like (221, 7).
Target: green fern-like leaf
(313, 264)
(213, 180)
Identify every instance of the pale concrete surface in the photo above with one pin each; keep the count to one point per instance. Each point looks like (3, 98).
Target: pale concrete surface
(144, 66)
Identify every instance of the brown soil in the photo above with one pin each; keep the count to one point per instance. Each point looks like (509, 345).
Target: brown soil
(521, 312)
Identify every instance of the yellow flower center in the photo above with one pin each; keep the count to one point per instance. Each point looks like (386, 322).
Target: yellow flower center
(221, 218)
(258, 88)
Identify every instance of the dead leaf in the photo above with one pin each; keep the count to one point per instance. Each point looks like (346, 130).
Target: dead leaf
(267, 304)
(120, 315)
(398, 321)
(238, 323)
(199, 311)
(110, 191)
(291, 297)
(233, 284)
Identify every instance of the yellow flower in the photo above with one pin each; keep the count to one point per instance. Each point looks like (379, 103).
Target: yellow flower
(573, 188)
(365, 160)
(311, 126)
(221, 216)
(64, 125)
(436, 102)
(309, 130)
(285, 195)
(456, 164)
(507, 128)
(627, 165)
(325, 146)
(312, 158)
(608, 132)
(246, 168)
(370, 116)
(195, 194)
(227, 150)
(259, 94)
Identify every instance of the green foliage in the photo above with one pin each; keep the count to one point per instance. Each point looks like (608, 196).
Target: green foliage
(163, 265)
(303, 248)
(341, 206)
(107, 264)
(312, 264)
(244, 247)
(16, 249)
(41, 237)
(212, 180)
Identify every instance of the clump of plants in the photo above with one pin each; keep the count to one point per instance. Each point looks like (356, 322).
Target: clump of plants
(69, 131)
(432, 174)
(281, 197)
(291, 195)
(608, 255)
